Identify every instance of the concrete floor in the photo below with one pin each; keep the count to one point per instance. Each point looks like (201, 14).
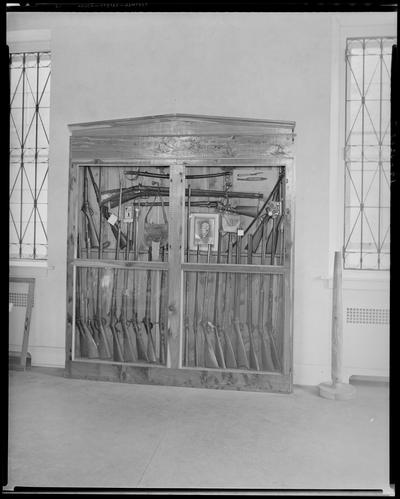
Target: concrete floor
(77, 433)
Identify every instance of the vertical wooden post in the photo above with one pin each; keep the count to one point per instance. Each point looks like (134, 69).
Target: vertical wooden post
(27, 324)
(337, 321)
(71, 253)
(337, 390)
(175, 276)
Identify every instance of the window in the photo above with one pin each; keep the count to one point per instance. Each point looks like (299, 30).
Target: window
(367, 154)
(29, 153)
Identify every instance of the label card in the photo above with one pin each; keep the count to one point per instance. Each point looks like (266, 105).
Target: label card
(128, 214)
(112, 219)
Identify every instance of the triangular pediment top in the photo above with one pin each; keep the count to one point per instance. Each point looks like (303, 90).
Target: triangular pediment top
(182, 124)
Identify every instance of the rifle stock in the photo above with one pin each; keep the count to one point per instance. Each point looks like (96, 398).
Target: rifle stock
(90, 343)
(92, 350)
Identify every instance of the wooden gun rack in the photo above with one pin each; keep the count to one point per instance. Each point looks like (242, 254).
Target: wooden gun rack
(103, 268)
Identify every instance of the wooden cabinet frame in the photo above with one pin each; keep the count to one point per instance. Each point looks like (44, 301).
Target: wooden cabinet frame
(163, 141)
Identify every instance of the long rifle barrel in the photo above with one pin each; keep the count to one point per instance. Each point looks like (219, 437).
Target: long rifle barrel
(246, 211)
(139, 173)
(135, 192)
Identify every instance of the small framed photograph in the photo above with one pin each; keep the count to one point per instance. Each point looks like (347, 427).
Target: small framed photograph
(204, 231)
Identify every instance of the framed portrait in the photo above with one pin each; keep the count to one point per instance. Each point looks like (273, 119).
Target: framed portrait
(204, 231)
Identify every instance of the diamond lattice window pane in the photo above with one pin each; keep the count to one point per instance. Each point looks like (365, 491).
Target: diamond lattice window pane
(29, 153)
(367, 153)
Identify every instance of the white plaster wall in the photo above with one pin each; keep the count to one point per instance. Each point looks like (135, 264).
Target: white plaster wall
(256, 65)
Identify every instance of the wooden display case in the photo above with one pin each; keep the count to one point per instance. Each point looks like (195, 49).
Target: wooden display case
(180, 252)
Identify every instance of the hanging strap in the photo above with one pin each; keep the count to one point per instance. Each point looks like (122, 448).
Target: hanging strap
(162, 206)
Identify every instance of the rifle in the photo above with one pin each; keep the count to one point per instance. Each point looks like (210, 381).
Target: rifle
(260, 216)
(116, 332)
(140, 343)
(161, 313)
(130, 353)
(87, 325)
(100, 323)
(218, 346)
(186, 319)
(89, 345)
(240, 349)
(147, 316)
(252, 353)
(195, 314)
(266, 359)
(269, 325)
(230, 359)
(79, 346)
(210, 359)
(138, 173)
(115, 228)
(88, 212)
(140, 191)
(246, 211)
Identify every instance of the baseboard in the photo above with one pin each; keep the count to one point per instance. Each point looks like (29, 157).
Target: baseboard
(45, 356)
(310, 374)
(359, 379)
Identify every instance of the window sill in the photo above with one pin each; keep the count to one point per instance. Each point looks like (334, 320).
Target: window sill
(364, 280)
(29, 268)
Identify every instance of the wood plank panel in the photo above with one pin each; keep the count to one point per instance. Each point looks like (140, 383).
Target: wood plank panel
(185, 377)
(71, 255)
(183, 124)
(204, 142)
(175, 275)
(118, 264)
(182, 147)
(84, 158)
(237, 268)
